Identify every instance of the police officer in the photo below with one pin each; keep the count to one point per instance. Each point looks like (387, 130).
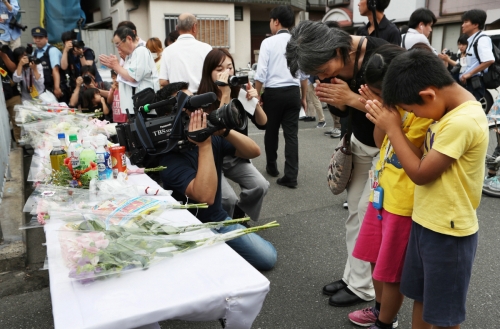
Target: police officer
(50, 57)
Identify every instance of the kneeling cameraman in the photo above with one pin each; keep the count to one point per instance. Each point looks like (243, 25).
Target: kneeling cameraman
(87, 81)
(196, 174)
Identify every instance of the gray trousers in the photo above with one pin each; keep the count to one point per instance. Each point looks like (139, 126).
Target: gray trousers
(253, 187)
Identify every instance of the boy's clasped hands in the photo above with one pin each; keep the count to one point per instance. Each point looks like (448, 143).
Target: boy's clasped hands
(384, 118)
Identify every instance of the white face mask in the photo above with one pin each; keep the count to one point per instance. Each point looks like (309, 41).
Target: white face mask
(155, 55)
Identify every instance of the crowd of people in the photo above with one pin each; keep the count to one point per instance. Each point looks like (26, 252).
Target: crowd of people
(405, 106)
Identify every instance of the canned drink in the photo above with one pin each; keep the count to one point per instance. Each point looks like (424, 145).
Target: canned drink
(118, 160)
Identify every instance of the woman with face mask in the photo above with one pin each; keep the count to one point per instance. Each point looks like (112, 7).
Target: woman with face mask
(154, 46)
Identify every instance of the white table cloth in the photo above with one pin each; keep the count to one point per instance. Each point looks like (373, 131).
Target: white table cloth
(200, 285)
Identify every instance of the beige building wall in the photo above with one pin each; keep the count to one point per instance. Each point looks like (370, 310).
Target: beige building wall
(242, 49)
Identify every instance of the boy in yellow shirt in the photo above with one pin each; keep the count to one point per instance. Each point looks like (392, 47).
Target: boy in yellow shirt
(448, 178)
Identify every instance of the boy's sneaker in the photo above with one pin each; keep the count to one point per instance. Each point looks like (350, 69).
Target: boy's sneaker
(321, 124)
(335, 133)
(492, 182)
(367, 317)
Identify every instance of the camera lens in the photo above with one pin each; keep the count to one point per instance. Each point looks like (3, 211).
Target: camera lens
(231, 116)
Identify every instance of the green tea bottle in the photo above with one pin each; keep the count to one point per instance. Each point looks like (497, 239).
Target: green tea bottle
(57, 156)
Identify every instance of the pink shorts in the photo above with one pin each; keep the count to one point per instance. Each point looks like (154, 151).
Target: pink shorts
(383, 242)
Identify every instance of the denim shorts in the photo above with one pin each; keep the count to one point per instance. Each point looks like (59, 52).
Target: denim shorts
(437, 272)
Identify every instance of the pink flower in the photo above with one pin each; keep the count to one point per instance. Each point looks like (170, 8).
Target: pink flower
(41, 218)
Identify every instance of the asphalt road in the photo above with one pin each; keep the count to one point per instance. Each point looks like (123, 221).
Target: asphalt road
(311, 253)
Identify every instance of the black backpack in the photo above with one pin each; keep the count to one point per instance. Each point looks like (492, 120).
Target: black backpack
(491, 78)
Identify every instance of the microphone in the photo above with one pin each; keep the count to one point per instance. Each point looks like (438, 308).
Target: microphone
(149, 107)
(203, 100)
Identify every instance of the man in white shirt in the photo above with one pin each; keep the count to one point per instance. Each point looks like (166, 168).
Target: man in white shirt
(183, 60)
(472, 25)
(281, 99)
(419, 28)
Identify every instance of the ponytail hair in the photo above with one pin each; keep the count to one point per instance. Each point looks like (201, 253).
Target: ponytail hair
(379, 62)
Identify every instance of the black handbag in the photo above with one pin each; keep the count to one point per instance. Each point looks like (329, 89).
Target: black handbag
(143, 97)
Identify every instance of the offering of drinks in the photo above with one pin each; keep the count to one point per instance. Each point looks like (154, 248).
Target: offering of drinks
(118, 160)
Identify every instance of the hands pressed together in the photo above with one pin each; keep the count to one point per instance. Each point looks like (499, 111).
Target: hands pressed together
(384, 118)
(336, 93)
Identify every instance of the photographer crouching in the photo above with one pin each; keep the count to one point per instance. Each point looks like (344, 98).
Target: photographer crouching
(75, 56)
(29, 74)
(195, 173)
(87, 80)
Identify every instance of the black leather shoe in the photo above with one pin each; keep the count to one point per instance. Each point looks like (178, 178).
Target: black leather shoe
(345, 298)
(285, 181)
(272, 170)
(332, 288)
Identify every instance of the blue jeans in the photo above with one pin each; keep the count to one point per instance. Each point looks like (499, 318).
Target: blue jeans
(260, 253)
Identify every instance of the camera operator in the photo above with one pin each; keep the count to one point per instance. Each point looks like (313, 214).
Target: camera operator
(196, 174)
(12, 96)
(8, 23)
(75, 55)
(86, 81)
(29, 74)
(50, 57)
(218, 66)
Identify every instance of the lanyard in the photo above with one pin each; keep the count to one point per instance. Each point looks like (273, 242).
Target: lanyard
(389, 149)
(27, 75)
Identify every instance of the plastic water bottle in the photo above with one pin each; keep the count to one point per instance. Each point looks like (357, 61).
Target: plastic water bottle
(74, 151)
(86, 156)
(104, 166)
(57, 156)
(62, 139)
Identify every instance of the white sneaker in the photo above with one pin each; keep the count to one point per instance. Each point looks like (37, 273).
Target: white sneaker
(492, 182)
(329, 131)
(335, 133)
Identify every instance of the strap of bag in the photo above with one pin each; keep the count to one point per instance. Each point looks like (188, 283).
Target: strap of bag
(347, 137)
(403, 43)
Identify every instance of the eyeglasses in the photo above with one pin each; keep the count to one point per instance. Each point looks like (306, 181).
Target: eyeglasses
(117, 45)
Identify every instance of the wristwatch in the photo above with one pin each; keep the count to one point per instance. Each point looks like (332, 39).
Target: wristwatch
(226, 133)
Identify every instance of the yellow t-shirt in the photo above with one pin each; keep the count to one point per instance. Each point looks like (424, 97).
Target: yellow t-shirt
(398, 187)
(448, 204)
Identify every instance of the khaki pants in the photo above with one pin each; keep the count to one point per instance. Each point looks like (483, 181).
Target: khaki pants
(357, 273)
(12, 44)
(10, 103)
(313, 103)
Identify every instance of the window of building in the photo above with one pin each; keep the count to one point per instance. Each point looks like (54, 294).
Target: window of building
(238, 13)
(213, 30)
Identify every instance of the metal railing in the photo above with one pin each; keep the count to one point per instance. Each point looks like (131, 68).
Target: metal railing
(5, 140)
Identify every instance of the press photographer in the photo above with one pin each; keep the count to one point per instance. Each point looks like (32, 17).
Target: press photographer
(196, 174)
(29, 74)
(86, 81)
(75, 55)
(12, 35)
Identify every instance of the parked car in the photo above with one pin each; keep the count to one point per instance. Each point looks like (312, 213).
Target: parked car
(491, 94)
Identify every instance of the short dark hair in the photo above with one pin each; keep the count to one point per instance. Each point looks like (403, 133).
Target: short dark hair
(68, 35)
(124, 32)
(412, 72)
(284, 14)
(381, 5)
(87, 69)
(18, 53)
(423, 15)
(128, 24)
(113, 72)
(379, 62)
(463, 39)
(475, 16)
(172, 37)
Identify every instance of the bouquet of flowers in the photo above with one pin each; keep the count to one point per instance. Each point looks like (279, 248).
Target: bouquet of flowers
(96, 254)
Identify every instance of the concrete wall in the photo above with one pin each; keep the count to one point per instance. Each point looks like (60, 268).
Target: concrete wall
(30, 17)
(243, 49)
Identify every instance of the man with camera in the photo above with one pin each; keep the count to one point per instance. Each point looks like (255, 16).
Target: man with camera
(10, 91)
(75, 55)
(195, 174)
(50, 58)
(85, 81)
(11, 35)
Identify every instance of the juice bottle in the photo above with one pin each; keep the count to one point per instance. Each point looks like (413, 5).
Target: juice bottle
(74, 152)
(86, 156)
(104, 166)
(57, 156)
(62, 138)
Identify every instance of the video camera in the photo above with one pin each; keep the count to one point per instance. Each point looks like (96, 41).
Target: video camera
(234, 81)
(15, 24)
(78, 43)
(143, 137)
